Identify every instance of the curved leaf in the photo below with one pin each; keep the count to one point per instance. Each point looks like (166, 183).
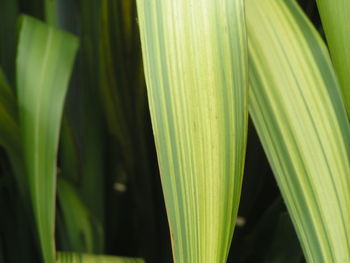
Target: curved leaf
(81, 230)
(44, 63)
(297, 108)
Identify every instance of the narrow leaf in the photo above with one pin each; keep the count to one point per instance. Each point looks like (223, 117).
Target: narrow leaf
(196, 69)
(335, 15)
(84, 110)
(297, 109)
(44, 64)
(10, 133)
(9, 130)
(51, 15)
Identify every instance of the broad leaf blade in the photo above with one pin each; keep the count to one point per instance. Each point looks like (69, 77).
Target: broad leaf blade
(297, 109)
(44, 63)
(63, 257)
(335, 15)
(195, 63)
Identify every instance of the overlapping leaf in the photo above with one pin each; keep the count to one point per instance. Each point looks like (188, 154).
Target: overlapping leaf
(9, 131)
(335, 15)
(297, 108)
(195, 62)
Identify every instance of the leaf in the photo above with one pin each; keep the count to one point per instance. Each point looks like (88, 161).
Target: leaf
(335, 17)
(113, 75)
(83, 110)
(123, 94)
(80, 228)
(44, 64)
(63, 257)
(297, 109)
(51, 15)
(70, 162)
(196, 70)
(9, 130)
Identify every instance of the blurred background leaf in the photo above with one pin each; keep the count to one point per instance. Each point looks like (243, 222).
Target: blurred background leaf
(44, 62)
(82, 232)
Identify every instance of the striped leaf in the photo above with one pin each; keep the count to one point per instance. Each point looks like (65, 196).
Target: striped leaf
(335, 15)
(196, 71)
(44, 63)
(297, 108)
(63, 257)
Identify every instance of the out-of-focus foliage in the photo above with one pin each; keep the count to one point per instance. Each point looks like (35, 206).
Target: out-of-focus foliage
(48, 54)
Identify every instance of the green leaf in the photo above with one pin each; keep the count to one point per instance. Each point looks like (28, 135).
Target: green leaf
(123, 94)
(9, 130)
(83, 111)
(10, 133)
(195, 63)
(51, 15)
(80, 227)
(44, 63)
(70, 163)
(297, 109)
(335, 17)
(113, 76)
(63, 257)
